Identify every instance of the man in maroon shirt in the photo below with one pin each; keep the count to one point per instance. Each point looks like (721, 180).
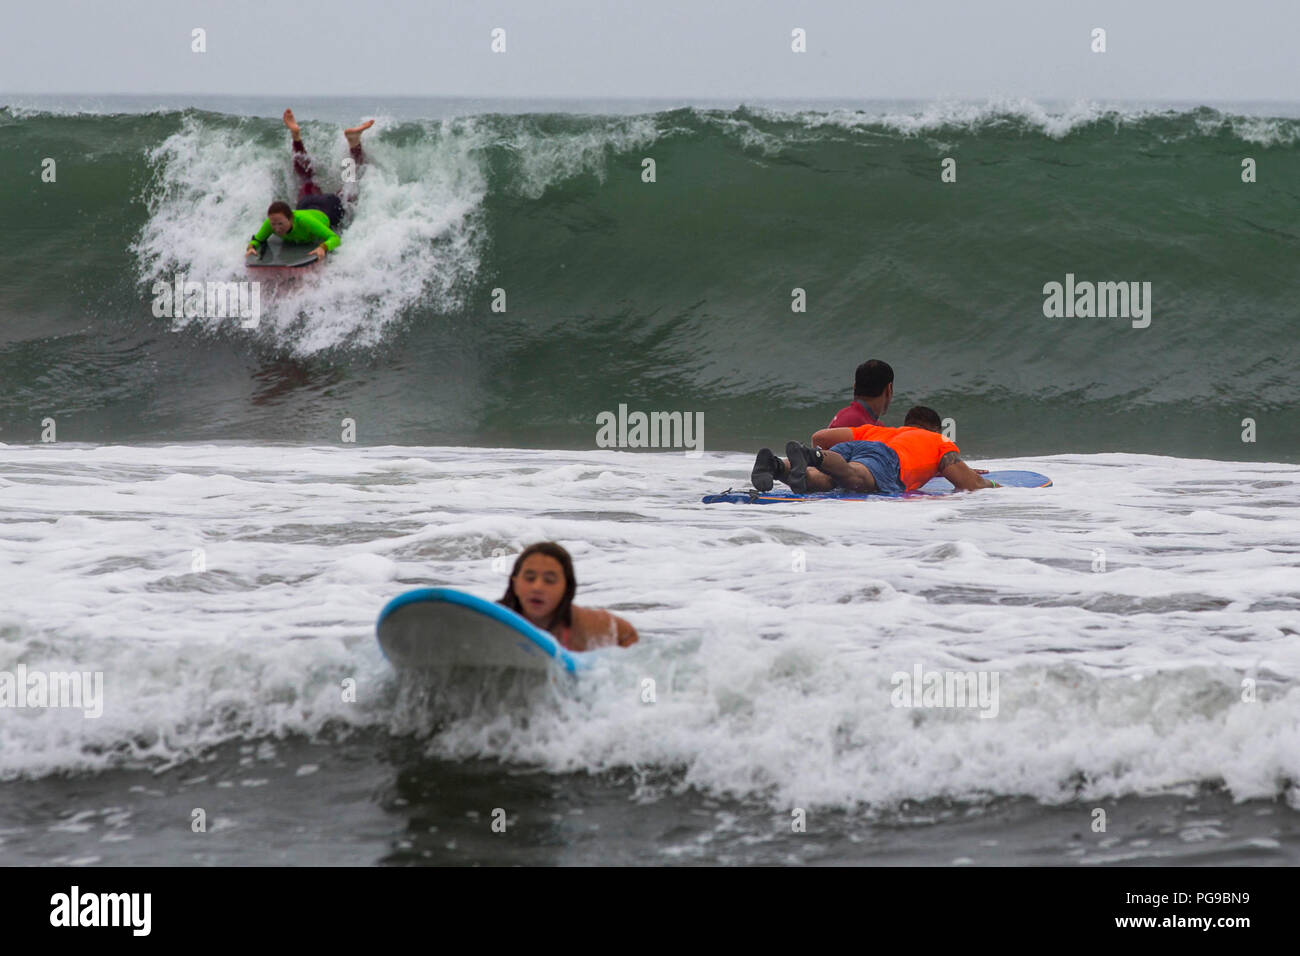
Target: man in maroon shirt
(873, 388)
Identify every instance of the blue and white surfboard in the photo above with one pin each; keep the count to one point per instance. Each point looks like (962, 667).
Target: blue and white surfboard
(434, 629)
(932, 488)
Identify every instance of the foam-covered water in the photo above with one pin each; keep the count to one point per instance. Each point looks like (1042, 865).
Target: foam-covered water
(411, 242)
(771, 632)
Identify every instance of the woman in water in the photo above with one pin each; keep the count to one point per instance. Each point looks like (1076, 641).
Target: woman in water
(541, 589)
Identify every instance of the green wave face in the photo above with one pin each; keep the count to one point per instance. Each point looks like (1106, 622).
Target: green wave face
(674, 294)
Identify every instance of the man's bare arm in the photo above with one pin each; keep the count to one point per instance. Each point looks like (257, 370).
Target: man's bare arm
(831, 436)
(962, 476)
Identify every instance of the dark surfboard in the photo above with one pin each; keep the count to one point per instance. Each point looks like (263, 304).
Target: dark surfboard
(278, 257)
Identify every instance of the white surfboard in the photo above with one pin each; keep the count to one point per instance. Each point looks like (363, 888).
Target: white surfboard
(434, 629)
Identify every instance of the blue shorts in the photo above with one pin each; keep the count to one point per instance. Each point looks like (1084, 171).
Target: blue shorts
(880, 460)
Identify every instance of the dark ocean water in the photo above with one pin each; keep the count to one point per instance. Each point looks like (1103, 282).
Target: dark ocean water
(673, 295)
(387, 804)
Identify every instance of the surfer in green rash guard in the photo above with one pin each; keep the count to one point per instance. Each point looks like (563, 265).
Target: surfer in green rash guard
(318, 213)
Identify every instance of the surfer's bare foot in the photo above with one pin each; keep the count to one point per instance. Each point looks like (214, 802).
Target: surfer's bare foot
(353, 134)
(292, 123)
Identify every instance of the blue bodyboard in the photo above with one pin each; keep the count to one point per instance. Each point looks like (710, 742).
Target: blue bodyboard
(934, 487)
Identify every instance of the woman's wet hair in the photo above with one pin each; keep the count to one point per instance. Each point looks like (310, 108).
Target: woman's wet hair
(918, 416)
(564, 610)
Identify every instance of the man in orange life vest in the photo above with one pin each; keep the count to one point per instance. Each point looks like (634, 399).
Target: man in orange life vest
(870, 459)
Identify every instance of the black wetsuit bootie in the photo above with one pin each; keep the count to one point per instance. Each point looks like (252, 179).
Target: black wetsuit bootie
(766, 467)
(801, 459)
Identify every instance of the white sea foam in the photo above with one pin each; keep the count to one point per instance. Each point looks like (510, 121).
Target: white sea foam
(545, 156)
(1054, 120)
(771, 682)
(414, 237)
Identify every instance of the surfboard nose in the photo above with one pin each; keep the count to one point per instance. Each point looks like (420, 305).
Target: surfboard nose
(434, 629)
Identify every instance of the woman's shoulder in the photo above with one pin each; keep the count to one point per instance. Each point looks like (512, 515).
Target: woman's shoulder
(600, 628)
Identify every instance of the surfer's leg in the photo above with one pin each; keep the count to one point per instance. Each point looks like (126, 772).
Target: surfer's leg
(349, 190)
(868, 467)
(804, 473)
(353, 135)
(849, 475)
(816, 480)
(302, 167)
(810, 479)
(301, 161)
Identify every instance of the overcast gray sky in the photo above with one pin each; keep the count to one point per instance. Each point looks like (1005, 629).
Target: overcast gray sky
(1206, 50)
